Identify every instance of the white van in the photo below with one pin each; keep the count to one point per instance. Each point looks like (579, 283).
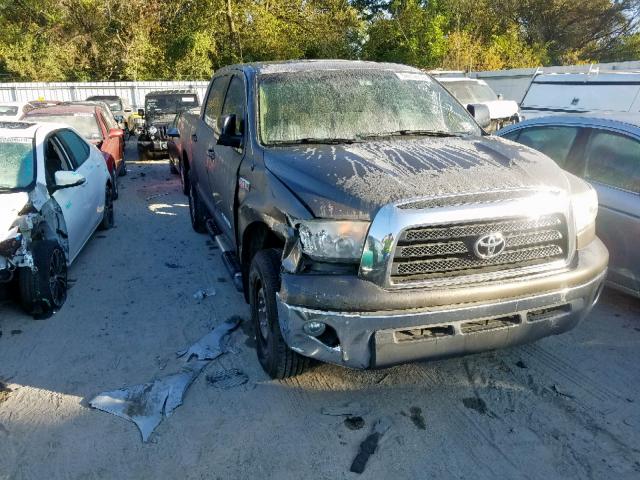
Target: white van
(558, 93)
(473, 91)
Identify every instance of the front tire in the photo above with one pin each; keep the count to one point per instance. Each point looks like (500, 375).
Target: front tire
(184, 177)
(275, 356)
(108, 215)
(196, 211)
(44, 289)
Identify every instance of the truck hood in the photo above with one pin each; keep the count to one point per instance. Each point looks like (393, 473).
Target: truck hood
(10, 206)
(354, 181)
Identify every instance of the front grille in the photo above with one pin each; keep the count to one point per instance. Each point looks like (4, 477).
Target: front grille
(429, 252)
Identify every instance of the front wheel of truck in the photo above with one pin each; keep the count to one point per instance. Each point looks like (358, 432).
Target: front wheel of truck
(275, 356)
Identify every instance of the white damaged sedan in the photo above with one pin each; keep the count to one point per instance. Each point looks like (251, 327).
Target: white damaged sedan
(55, 190)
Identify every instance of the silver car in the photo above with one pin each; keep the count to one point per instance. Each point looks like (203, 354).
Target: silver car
(604, 149)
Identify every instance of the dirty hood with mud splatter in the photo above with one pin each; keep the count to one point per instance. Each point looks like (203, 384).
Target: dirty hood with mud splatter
(353, 181)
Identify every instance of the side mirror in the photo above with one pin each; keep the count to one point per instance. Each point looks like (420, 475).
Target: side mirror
(481, 113)
(500, 96)
(173, 132)
(229, 135)
(116, 132)
(141, 112)
(68, 179)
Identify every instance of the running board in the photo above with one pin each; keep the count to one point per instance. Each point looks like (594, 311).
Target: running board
(229, 258)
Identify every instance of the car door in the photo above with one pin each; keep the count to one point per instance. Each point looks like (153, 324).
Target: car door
(71, 200)
(224, 175)
(612, 166)
(84, 160)
(111, 145)
(205, 138)
(555, 141)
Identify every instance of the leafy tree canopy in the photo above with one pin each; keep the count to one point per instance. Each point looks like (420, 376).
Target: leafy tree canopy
(54, 40)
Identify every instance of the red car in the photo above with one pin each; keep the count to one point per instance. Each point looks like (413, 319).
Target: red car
(95, 122)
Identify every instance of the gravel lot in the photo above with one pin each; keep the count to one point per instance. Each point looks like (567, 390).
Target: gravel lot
(565, 407)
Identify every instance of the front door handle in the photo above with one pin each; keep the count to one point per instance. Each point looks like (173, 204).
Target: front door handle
(194, 137)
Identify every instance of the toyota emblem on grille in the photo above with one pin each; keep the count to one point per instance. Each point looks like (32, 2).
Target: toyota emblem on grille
(489, 246)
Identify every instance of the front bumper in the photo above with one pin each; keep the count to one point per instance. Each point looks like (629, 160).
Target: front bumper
(437, 324)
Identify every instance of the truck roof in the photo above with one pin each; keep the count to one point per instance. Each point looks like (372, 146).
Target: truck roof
(306, 65)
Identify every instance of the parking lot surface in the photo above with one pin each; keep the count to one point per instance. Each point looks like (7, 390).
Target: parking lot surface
(564, 407)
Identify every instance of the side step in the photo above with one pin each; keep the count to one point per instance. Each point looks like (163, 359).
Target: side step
(229, 258)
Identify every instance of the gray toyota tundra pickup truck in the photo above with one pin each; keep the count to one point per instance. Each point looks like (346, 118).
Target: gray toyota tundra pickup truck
(370, 220)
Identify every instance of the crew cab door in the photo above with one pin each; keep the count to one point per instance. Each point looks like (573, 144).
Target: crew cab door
(224, 176)
(204, 140)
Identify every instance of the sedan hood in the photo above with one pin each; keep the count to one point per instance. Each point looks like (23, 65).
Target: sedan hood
(10, 206)
(353, 181)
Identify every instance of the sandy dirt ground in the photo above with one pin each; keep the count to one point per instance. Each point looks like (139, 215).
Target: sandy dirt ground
(565, 407)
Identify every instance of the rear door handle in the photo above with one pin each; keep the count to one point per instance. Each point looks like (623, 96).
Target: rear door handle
(211, 153)
(194, 137)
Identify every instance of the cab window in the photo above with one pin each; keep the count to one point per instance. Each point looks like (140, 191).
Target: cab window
(553, 141)
(614, 160)
(214, 102)
(234, 103)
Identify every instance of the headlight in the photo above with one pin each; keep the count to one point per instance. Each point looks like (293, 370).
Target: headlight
(333, 241)
(584, 202)
(153, 130)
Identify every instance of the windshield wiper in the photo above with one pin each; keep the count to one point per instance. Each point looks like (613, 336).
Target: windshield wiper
(6, 189)
(327, 141)
(424, 133)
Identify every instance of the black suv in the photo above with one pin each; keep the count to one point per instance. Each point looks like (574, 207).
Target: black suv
(160, 108)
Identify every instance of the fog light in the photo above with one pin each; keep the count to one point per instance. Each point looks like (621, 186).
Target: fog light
(315, 329)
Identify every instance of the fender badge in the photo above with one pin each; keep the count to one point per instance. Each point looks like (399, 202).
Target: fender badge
(244, 184)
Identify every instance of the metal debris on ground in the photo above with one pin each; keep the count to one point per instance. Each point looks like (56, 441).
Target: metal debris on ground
(202, 294)
(370, 444)
(228, 379)
(351, 409)
(148, 404)
(213, 344)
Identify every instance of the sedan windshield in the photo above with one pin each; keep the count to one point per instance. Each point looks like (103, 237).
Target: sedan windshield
(85, 123)
(16, 163)
(471, 92)
(165, 104)
(351, 105)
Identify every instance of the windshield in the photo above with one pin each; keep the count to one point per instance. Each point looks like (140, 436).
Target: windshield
(8, 110)
(114, 103)
(350, 105)
(165, 104)
(16, 163)
(85, 123)
(471, 92)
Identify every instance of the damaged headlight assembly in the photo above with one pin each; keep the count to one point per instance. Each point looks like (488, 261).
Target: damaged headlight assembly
(333, 240)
